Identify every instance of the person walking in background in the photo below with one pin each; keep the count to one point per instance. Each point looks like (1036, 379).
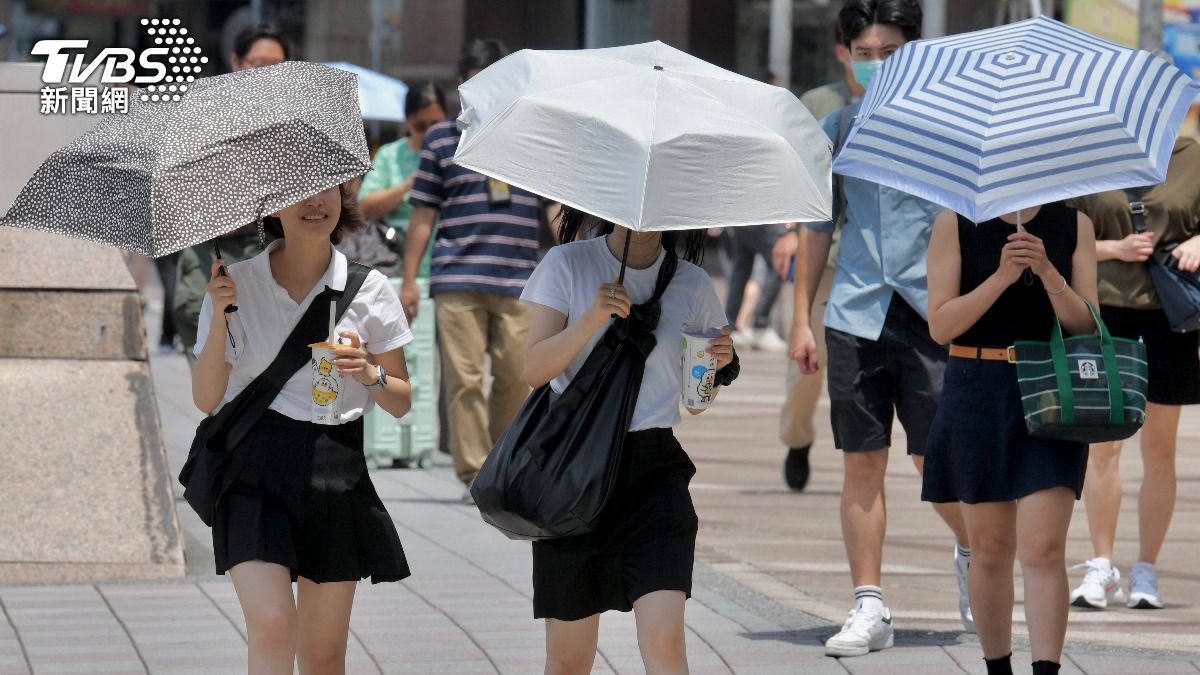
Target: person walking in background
(258, 45)
(167, 267)
(990, 285)
(797, 428)
(385, 188)
(641, 554)
(485, 249)
(882, 361)
(296, 502)
(746, 245)
(1131, 308)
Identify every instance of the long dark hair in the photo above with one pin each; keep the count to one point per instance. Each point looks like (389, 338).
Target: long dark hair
(573, 224)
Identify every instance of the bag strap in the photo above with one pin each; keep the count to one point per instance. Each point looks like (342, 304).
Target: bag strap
(1062, 374)
(1137, 208)
(844, 123)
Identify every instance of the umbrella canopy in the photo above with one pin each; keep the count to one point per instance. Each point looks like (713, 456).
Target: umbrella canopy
(167, 175)
(990, 122)
(380, 97)
(646, 136)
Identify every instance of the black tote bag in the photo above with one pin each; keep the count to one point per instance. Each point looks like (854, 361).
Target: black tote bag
(552, 472)
(217, 435)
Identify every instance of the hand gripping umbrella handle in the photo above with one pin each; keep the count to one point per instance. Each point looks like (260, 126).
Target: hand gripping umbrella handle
(230, 309)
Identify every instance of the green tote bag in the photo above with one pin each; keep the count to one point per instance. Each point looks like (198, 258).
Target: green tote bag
(1087, 388)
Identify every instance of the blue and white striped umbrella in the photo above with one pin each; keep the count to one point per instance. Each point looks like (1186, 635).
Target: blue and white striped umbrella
(990, 122)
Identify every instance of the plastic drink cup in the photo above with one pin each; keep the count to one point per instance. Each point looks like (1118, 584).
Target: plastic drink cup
(699, 367)
(328, 385)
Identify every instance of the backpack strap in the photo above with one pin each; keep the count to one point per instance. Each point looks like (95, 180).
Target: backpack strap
(845, 122)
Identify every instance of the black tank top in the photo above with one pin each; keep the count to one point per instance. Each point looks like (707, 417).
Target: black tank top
(1023, 311)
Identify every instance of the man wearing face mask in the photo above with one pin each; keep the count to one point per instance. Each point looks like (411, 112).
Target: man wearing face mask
(882, 363)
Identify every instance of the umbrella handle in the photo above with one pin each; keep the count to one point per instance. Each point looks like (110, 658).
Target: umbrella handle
(624, 261)
(230, 309)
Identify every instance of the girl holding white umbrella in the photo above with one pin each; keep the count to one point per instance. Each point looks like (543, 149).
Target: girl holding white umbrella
(637, 143)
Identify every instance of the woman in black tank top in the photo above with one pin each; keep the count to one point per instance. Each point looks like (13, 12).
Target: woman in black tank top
(991, 284)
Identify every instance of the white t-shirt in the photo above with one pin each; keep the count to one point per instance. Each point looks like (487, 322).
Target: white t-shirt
(566, 281)
(267, 314)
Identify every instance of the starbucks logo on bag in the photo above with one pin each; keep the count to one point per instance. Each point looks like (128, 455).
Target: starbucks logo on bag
(1088, 370)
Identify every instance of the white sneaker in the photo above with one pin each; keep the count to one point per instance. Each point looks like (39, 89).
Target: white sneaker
(964, 601)
(767, 340)
(863, 632)
(1143, 587)
(1101, 585)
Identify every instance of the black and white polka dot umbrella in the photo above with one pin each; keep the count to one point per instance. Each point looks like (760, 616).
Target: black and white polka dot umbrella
(169, 174)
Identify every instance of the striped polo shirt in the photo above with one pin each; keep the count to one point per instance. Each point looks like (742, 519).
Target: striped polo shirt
(477, 247)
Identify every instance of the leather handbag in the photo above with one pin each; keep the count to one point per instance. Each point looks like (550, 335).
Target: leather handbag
(1178, 291)
(553, 471)
(1086, 388)
(219, 435)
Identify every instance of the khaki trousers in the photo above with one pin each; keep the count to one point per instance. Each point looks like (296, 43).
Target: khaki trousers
(472, 326)
(796, 422)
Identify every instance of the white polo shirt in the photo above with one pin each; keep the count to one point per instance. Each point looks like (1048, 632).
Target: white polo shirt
(267, 314)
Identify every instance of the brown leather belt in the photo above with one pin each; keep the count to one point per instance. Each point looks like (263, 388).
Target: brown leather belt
(1008, 354)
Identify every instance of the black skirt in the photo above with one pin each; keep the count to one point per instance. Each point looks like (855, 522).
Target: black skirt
(979, 449)
(298, 494)
(1173, 376)
(645, 542)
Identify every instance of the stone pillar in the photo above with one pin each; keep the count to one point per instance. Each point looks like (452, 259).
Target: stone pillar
(85, 489)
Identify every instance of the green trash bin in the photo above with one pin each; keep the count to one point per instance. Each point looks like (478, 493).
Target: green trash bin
(409, 441)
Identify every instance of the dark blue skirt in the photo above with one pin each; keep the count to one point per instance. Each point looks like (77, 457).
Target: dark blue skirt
(979, 450)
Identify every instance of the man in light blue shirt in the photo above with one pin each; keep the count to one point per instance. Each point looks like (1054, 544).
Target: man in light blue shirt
(882, 363)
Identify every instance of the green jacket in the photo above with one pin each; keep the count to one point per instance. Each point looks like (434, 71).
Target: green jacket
(192, 277)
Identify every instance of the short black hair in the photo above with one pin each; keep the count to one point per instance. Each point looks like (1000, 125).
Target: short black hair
(250, 34)
(422, 94)
(857, 15)
(479, 54)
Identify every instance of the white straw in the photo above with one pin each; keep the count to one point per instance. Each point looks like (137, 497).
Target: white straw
(332, 320)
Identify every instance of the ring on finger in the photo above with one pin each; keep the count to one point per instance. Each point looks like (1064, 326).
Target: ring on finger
(612, 293)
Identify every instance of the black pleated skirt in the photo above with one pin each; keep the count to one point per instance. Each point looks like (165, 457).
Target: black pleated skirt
(645, 542)
(979, 449)
(298, 494)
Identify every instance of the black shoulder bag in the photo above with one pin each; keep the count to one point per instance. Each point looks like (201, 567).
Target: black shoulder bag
(1178, 291)
(219, 434)
(552, 472)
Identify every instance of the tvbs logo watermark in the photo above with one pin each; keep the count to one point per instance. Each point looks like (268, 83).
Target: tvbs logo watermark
(169, 66)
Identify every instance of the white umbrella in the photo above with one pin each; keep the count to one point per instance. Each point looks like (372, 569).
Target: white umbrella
(647, 137)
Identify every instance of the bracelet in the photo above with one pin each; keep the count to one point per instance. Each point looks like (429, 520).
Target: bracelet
(1061, 290)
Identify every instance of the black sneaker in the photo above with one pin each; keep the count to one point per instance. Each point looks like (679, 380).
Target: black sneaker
(795, 468)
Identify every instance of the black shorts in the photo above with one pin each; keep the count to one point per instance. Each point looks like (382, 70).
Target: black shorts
(899, 374)
(1174, 363)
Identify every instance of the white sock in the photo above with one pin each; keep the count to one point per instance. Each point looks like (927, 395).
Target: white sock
(869, 598)
(1103, 562)
(962, 552)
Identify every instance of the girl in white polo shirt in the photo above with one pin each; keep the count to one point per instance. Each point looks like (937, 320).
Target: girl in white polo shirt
(298, 504)
(640, 556)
